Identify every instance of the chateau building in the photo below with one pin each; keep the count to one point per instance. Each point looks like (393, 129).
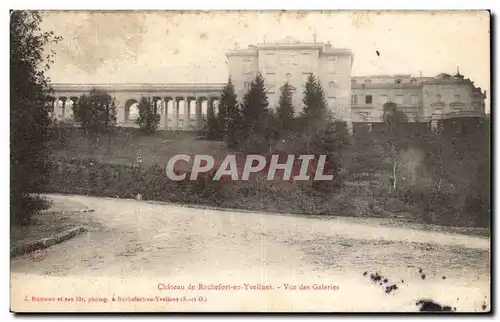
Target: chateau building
(291, 61)
(422, 99)
(356, 100)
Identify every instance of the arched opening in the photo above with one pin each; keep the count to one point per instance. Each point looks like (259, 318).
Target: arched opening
(215, 105)
(131, 110)
(192, 109)
(204, 108)
(69, 109)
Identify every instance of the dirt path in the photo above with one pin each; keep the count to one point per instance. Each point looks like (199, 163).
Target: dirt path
(132, 247)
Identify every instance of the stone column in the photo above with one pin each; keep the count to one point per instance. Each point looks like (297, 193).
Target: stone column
(349, 127)
(56, 108)
(434, 124)
(210, 107)
(175, 104)
(63, 108)
(162, 113)
(198, 113)
(167, 123)
(187, 116)
(73, 108)
(52, 102)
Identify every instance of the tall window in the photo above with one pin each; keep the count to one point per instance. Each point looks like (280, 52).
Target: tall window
(247, 66)
(270, 79)
(368, 99)
(290, 59)
(305, 58)
(354, 99)
(332, 100)
(270, 60)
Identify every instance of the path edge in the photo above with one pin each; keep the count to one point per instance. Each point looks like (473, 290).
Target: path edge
(47, 241)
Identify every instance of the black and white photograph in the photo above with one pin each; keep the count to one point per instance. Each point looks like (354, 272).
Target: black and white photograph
(250, 161)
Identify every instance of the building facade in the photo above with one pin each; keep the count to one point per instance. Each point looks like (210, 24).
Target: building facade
(291, 61)
(422, 99)
(356, 100)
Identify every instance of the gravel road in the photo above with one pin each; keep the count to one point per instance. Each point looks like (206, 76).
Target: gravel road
(135, 251)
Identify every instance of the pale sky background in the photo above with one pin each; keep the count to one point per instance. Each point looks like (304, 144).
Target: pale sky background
(159, 46)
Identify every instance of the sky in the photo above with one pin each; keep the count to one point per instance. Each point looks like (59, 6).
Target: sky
(168, 46)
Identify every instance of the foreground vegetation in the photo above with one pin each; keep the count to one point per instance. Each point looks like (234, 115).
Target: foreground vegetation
(399, 169)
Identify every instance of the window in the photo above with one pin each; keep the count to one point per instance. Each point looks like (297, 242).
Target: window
(270, 79)
(368, 99)
(476, 106)
(290, 59)
(332, 101)
(247, 66)
(383, 99)
(354, 99)
(305, 58)
(269, 60)
(331, 67)
(399, 99)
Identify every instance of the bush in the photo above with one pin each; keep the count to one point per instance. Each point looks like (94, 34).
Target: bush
(25, 206)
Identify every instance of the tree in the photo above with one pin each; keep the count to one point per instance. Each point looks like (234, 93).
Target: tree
(285, 113)
(315, 107)
(211, 124)
(230, 116)
(458, 156)
(314, 116)
(29, 113)
(149, 118)
(396, 136)
(255, 116)
(97, 113)
(228, 101)
(367, 154)
(330, 141)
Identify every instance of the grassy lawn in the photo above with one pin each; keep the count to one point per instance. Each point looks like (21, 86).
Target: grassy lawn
(126, 144)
